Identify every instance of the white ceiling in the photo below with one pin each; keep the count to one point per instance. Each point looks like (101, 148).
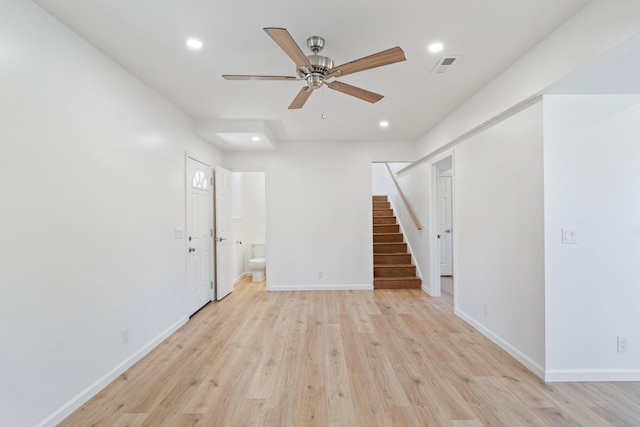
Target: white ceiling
(147, 37)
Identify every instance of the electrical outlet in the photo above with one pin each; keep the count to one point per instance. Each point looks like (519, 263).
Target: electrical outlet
(125, 336)
(485, 310)
(623, 344)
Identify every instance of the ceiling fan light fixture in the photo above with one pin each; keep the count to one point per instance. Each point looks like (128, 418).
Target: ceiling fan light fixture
(314, 80)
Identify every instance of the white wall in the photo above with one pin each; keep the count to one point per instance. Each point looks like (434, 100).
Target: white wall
(592, 183)
(92, 166)
(381, 183)
(319, 211)
(498, 235)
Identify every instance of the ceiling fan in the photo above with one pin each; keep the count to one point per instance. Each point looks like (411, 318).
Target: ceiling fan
(317, 70)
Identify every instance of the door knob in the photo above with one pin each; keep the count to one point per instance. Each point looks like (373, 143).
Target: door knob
(192, 249)
(220, 239)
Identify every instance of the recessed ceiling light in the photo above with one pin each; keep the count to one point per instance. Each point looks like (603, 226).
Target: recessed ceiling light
(194, 44)
(255, 138)
(384, 124)
(435, 47)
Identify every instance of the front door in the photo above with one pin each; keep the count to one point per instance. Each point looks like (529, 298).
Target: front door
(199, 235)
(224, 249)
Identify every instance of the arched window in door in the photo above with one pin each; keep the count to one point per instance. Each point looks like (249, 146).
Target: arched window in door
(199, 180)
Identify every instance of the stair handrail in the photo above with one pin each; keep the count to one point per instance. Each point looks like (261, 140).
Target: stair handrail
(404, 199)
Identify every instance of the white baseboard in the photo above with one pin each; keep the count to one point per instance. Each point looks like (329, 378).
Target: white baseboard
(583, 375)
(503, 344)
(66, 409)
(240, 277)
(426, 289)
(366, 287)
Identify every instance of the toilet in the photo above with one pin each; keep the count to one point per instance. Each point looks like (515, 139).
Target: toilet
(258, 263)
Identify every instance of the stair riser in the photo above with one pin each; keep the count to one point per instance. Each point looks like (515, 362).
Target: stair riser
(394, 271)
(391, 259)
(379, 199)
(385, 248)
(383, 212)
(387, 238)
(386, 228)
(381, 205)
(397, 283)
(384, 220)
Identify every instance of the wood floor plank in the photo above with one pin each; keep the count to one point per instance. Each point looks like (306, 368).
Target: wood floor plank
(343, 358)
(339, 401)
(336, 370)
(385, 378)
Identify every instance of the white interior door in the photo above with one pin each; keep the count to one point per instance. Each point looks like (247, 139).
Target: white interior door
(444, 225)
(224, 248)
(199, 235)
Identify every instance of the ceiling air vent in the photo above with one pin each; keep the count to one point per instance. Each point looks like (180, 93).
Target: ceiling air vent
(445, 64)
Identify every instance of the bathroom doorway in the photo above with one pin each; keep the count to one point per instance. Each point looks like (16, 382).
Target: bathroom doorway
(248, 218)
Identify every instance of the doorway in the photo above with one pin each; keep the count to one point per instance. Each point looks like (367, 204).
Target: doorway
(442, 227)
(249, 219)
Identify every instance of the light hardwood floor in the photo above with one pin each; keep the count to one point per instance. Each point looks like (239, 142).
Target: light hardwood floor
(343, 358)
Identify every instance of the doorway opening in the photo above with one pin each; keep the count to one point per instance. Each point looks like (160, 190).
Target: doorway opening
(442, 247)
(248, 221)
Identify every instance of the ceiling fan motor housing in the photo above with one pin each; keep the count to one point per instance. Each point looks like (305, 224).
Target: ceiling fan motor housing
(320, 65)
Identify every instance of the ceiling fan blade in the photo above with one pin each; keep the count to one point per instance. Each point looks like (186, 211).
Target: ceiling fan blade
(282, 37)
(386, 57)
(365, 95)
(244, 77)
(301, 98)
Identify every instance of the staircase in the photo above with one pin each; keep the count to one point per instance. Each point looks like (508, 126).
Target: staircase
(392, 266)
